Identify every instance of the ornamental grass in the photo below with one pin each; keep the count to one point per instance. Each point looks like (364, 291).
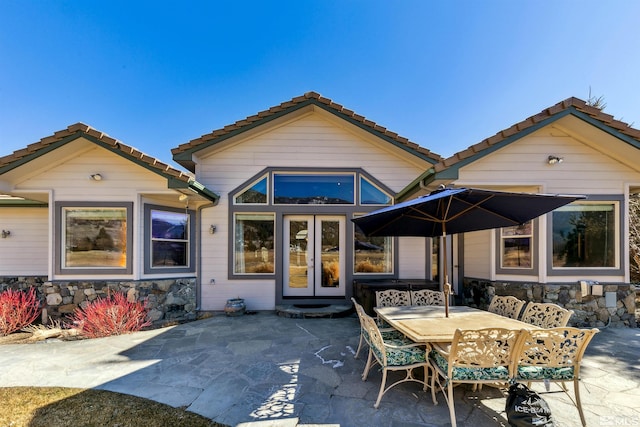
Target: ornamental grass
(112, 315)
(18, 309)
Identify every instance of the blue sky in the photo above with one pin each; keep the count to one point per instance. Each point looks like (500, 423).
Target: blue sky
(445, 74)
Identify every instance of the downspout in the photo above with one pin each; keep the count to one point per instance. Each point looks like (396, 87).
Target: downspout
(199, 258)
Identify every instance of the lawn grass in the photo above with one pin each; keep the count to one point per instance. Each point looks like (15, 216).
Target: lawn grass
(60, 406)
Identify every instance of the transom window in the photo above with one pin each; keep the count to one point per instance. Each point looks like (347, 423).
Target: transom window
(255, 194)
(370, 194)
(312, 189)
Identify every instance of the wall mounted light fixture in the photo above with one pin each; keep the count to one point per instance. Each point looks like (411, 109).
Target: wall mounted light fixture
(212, 229)
(95, 177)
(6, 233)
(552, 160)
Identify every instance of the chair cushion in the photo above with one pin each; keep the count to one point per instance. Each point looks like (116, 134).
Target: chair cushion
(392, 335)
(382, 324)
(462, 374)
(542, 373)
(405, 356)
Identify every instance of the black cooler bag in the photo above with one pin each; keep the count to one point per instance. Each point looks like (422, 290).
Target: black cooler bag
(525, 408)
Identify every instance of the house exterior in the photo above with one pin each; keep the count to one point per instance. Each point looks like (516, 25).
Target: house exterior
(84, 214)
(263, 212)
(290, 179)
(577, 256)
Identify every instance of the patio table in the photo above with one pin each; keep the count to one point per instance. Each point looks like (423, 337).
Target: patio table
(428, 324)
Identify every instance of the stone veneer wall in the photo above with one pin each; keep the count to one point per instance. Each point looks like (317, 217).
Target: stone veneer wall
(168, 300)
(589, 310)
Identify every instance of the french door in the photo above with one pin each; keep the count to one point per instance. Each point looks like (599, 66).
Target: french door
(313, 256)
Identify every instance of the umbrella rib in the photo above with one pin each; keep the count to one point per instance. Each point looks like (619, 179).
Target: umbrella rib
(478, 205)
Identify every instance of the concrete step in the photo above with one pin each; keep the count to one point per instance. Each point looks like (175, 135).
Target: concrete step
(307, 311)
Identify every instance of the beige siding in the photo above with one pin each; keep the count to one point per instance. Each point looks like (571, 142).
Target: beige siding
(122, 180)
(25, 251)
(311, 141)
(589, 167)
(477, 254)
(412, 257)
(308, 142)
(584, 170)
(66, 178)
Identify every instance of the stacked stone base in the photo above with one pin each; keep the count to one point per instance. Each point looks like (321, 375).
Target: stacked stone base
(589, 310)
(168, 300)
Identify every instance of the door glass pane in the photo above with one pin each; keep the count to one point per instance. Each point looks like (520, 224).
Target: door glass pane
(298, 254)
(330, 257)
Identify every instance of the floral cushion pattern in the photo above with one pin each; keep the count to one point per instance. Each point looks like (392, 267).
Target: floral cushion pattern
(382, 323)
(495, 373)
(541, 373)
(402, 356)
(393, 337)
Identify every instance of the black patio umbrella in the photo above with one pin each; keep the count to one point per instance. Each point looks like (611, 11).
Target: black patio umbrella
(458, 210)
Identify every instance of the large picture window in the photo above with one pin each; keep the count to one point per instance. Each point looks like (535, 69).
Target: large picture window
(253, 243)
(93, 238)
(585, 235)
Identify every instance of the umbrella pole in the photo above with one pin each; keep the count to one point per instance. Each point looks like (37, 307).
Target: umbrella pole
(447, 285)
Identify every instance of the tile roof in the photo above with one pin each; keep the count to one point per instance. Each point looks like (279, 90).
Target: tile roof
(444, 171)
(19, 157)
(307, 98)
(569, 103)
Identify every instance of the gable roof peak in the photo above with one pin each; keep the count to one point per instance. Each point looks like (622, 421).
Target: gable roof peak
(576, 105)
(183, 151)
(176, 177)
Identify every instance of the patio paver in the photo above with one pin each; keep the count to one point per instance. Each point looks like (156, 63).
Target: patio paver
(265, 369)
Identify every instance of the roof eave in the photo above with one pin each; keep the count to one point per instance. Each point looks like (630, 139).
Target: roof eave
(184, 154)
(196, 187)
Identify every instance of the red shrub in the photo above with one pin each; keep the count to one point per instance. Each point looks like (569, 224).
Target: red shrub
(113, 315)
(18, 309)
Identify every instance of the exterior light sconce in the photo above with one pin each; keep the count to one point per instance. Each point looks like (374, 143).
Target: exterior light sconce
(95, 177)
(212, 229)
(6, 233)
(552, 160)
